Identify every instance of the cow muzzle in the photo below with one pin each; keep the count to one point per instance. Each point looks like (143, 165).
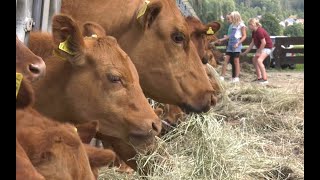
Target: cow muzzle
(140, 137)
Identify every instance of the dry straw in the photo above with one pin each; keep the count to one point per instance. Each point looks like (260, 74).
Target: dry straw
(254, 132)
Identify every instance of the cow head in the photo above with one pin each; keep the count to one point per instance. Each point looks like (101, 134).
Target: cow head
(199, 33)
(56, 151)
(170, 115)
(91, 78)
(217, 57)
(31, 66)
(165, 57)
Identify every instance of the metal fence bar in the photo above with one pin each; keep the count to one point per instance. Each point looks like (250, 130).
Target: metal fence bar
(37, 14)
(45, 15)
(55, 7)
(23, 19)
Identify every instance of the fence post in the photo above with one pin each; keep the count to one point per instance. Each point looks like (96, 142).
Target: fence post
(277, 53)
(37, 14)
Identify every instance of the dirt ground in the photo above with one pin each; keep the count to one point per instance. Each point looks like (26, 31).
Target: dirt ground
(276, 78)
(286, 79)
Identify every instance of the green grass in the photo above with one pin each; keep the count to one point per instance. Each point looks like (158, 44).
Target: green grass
(299, 67)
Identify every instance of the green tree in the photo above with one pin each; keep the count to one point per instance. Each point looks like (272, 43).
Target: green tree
(295, 30)
(271, 24)
(210, 10)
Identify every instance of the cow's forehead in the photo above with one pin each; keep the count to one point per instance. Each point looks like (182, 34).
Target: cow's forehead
(106, 55)
(105, 50)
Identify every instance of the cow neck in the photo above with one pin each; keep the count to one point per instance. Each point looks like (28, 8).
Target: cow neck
(100, 135)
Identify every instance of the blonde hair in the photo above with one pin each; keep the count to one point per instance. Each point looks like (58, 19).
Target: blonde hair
(254, 22)
(235, 18)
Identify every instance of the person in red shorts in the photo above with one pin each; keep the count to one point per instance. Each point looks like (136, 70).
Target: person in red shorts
(263, 43)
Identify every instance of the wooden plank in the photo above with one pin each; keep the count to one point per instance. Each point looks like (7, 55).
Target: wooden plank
(293, 60)
(286, 41)
(293, 50)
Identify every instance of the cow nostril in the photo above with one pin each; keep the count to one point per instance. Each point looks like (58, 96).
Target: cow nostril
(155, 128)
(204, 60)
(213, 100)
(34, 69)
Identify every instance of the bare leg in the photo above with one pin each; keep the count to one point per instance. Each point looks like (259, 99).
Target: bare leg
(225, 64)
(256, 67)
(261, 67)
(237, 66)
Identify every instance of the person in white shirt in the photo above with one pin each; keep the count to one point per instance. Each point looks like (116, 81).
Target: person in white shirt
(236, 36)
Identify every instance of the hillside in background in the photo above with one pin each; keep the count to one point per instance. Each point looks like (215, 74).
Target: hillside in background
(276, 15)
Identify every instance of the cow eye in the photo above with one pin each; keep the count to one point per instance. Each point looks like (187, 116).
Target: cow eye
(114, 79)
(178, 37)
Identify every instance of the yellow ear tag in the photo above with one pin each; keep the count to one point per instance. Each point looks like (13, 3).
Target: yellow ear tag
(19, 78)
(210, 31)
(64, 47)
(143, 9)
(94, 36)
(75, 129)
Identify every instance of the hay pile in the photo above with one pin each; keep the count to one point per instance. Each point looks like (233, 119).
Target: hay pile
(254, 132)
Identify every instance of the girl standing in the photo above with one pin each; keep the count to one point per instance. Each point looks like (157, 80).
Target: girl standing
(236, 35)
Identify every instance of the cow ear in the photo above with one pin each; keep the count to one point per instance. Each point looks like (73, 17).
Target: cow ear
(99, 157)
(67, 37)
(215, 26)
(158, 111)
(91, 28)
(148, 12)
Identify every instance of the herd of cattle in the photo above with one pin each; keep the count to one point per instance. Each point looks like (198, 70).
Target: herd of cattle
(90, 78)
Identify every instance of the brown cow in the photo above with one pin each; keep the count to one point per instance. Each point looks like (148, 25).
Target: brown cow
(170, 115)
(32, 135)
(217, 54)
(158, 42)
(31, 67)
(198, 33)
(62, 150)
(88, 130)
(97, 81)
(55, 149)
(204, 40)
